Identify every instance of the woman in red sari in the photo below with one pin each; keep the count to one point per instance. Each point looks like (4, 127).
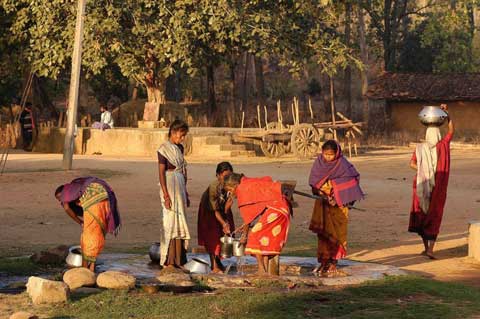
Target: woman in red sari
(266, 215)
(215, 217)
(431, 160)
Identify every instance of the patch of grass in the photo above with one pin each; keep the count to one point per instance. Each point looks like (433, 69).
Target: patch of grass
(18, 266)
(400, 297)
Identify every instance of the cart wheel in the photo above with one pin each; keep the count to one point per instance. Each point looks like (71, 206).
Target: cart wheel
(272, 149)
(305, 141)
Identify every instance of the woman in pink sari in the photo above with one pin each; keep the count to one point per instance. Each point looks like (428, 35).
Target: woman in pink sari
(431, 160)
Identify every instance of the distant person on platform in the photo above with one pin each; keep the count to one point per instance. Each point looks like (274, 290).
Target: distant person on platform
(106, 120)
(27, 124)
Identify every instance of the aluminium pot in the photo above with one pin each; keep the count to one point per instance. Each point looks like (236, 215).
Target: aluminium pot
(197, 266)
(74, 257)
(226, 247)
(154, 252)
(432, 116)
(238, 248)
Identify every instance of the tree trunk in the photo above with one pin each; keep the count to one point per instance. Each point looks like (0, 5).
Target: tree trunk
(244, 82)
(364, 70)
(212, 106)
(347, 85)
(231, 108)
(135, 92)
(40, 92)
(259, 80)
(325, 84)
(387, 39)
(155, 94)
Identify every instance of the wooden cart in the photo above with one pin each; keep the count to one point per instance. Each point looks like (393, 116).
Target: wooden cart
(303, 139)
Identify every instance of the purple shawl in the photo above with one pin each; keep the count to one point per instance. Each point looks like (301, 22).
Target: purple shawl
(74, 190)
(343, 176)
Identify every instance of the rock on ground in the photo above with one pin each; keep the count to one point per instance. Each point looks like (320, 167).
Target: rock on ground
(50, 256)
(176, 280)
(47, 291)
(79, 277)
(23, 315)
(115, 280)
(172, 276)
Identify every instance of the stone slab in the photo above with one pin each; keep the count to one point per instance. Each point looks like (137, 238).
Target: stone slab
(474, 240)
(292, 269)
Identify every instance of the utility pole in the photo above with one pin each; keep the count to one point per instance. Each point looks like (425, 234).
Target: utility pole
(74, 87)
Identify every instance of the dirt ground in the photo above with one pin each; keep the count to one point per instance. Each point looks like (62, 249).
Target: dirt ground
(31, 218)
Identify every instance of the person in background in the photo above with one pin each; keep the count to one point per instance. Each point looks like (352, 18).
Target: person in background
(337, 181)
(27, 124)
(106, 119)
(215, 217)
(91, 203)
(172, 171)
(431, 160)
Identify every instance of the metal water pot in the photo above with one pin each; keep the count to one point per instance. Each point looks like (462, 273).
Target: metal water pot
(154, 252)
(432, 116)
(197, 266)
(74, 257)
(238, 248)
(226, 247)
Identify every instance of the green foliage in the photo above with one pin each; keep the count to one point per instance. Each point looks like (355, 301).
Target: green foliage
(10, 65)
(447, 35)
(18, 266)
(413, 56)
(149, 40)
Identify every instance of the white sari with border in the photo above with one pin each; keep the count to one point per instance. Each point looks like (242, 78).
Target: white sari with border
(174, 224)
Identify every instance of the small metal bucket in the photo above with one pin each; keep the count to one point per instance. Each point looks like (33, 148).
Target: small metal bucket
(238, 248)
(226, 248)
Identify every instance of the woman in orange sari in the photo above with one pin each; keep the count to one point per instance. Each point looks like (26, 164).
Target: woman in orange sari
(91, 203)
(266, 215)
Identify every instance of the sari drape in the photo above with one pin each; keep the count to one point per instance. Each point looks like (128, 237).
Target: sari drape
(174, 224)
(208, 228)
(427, 224)
(262, 199)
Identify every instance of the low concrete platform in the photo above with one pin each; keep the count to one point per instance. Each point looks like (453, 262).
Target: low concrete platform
(141, 141)
(293, 270)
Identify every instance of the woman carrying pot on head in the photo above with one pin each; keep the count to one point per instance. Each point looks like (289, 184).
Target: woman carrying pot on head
(172, 171)
(215, 217)
(265, 213)
(91, 203)
(431, 160)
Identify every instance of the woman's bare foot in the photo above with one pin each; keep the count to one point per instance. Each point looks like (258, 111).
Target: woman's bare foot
(217, 271)
(430, 255)
(423, 253)
(261, 272)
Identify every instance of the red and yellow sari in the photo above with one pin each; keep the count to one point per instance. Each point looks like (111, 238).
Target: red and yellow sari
(263, 206)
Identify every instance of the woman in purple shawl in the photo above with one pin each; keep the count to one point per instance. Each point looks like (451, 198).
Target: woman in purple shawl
(336, 180)
(91, 203)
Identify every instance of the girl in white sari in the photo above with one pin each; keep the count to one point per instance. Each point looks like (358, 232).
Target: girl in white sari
(172, 170)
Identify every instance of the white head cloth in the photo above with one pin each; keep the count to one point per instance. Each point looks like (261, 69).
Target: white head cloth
(427, 158)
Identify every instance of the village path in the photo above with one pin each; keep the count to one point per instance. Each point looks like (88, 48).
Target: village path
(31, 218)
